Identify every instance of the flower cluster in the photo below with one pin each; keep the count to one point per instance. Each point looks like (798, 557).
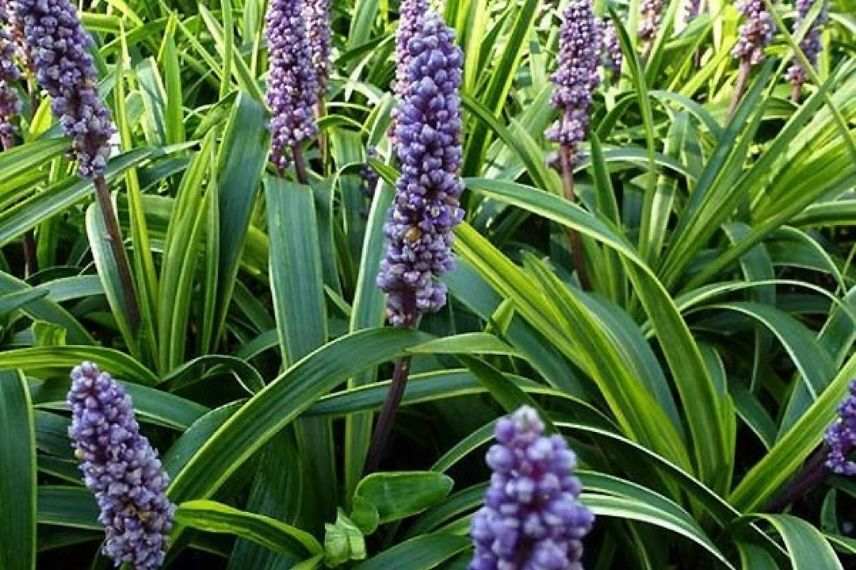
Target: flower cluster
(611, 47)
(121, 468)
(292, 82)
(58, 48)
(652, 11)
(409, 24)
(317, 14)
(426, 206)
(841, 437)
(532, 517)
(577, 74)
(810, 45)
(10, 105)
(755, 33)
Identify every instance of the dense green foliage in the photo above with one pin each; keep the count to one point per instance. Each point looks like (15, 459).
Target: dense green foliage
(694, 379)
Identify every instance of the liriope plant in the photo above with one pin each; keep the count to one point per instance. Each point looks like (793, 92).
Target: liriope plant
(692, 342)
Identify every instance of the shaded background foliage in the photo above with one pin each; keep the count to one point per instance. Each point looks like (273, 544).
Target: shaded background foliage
(694, 378)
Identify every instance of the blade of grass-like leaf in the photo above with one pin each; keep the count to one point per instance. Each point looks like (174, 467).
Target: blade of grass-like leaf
(146, 278)
(281, 402)
(17, 474)
(500, 83)
(704, 406)
(420, 553)
(59, 360)
(63, 194)
(792, 448)
(715, 195)
(243, 154)
(813, 362)
(368, 312)
(637, 75)
(277, 536)
(807, 547)
(643, 511)
(301, 316)
(27, 157)
(108, 271)
(68, 506)
(46, 310)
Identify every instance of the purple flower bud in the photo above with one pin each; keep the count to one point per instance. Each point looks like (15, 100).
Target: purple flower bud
(611, 48)
(58, 47)
(691, 10)
(841, 437)
(292, 82)
(426, 206)
(652, 12)
(317, 14)
(810, 45)
(755, 33)
(121, 468)
(10, 105)
(531, 517)
(409, 24)
(577, 74)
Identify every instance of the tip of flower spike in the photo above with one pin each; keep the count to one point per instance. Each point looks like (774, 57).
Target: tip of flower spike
(531, 517)
(121, 468)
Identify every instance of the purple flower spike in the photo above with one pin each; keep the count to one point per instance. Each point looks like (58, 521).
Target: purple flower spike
(841, 437)
(121, 468)
(317, 14)
(426, 206)
(755, 33)
(292, 82)
(58, 47)
(532, 518)
(652, 12)
(810, 45)
(611, 48)
(10, 105)
(577, 74)
(409, 24)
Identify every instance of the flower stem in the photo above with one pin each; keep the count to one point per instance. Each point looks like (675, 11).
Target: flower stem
(300, 165)
(796, 92)
(114, 236)
(573, 236)
(811, 475)
(387, 415)
(739, 87)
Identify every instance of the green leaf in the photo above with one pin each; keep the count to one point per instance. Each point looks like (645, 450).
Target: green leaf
(211, 516)
(807, 547)
(242, 158)
(343, 541)
(368, 311)
(420, 553)
(400, 495)
(281, 402)
(17, 474)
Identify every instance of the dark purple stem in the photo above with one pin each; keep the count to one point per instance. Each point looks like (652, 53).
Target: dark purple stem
(300, 165)
(114, 236)
(740, 87)
(573, 236)
(811, 475)
(383, 429)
